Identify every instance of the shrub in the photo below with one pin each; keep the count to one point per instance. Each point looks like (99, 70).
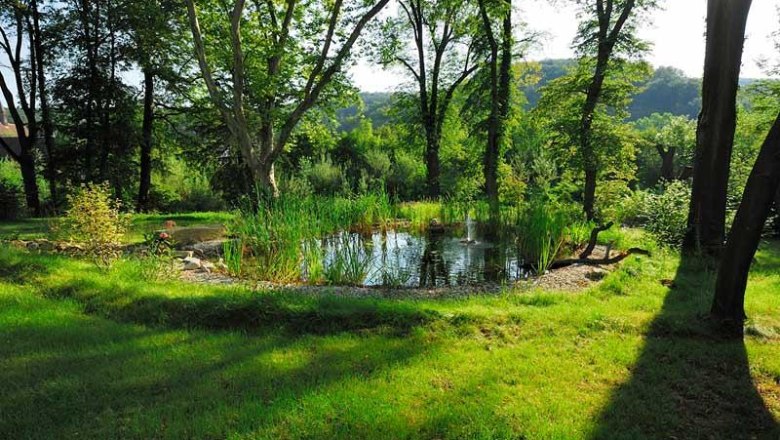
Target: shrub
(10, 200)
(325, 178)
(666, 212)
(95, 222)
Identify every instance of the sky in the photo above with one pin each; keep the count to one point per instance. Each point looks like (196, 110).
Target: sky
(677, 33)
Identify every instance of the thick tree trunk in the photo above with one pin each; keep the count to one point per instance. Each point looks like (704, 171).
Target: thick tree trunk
(728, 307)
(29, 180)
(667, 163)
(433, 166)
(726, 21)
(145, 183)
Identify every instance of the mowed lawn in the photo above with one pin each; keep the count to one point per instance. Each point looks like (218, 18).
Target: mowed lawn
(88, 354)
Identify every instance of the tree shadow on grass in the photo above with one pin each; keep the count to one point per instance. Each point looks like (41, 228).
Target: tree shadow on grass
(73, 375)
(688, 382)
(238, 309)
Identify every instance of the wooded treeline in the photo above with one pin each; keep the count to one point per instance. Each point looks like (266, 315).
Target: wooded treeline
(199, 104)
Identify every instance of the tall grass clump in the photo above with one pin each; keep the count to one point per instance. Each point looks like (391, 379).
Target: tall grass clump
(542, 229)
(350, 262)
(280, 235)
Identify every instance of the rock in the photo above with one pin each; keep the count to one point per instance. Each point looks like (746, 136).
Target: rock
(596, 274)
(207, 267)
(46, 246)
(192, 263)
(209, 249)
(221, 265)
(182, 254)
(32, 246)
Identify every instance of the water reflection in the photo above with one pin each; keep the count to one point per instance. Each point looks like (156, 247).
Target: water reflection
(432, 259)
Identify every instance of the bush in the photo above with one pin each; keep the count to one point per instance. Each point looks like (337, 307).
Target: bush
(666, 212)
(325, 178)
(10, 200)
(95, 222)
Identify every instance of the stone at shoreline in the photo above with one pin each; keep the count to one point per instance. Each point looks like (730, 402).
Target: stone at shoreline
(192, 263)
(207, 249)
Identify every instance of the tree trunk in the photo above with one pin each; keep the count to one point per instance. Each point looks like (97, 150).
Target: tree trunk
(726, 21)
(500, 71)
(27, 165)
(145, 183)
(46, 121)
(667, 163)
(432, 165)
(728, 307)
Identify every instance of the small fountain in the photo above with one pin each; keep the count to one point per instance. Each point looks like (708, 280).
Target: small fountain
(469, 231)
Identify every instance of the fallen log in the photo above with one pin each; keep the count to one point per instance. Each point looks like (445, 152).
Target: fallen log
(594, 236)
(597, 262)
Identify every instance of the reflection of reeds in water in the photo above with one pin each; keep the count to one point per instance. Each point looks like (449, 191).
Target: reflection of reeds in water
(395, 270)
(350, 263)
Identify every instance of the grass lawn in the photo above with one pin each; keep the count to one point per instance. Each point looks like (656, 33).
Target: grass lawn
(140, 224)
(88, 354)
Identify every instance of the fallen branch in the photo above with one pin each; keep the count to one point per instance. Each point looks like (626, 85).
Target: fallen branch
(594, 236)
(597, 262)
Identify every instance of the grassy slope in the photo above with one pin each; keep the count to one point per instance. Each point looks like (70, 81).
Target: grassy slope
(92, 355)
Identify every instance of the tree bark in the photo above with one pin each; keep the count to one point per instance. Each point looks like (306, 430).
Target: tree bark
(667, 162)
(726, 22)
(728, 306)
(147, 143)
(29, 180)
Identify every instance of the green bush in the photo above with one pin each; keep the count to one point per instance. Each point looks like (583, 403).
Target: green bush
(666, 212)
(325, 178)
(95, 222)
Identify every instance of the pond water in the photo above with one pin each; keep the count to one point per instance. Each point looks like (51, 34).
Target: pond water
(431, 259)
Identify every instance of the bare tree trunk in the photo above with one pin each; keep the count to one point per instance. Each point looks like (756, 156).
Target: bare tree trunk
(147, 143)
(728, 306)
(433, 166)
(726, 21)
(29, 180)
(667, 162)
(43, 96)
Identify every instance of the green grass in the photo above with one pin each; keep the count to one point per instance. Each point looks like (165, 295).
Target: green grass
(87, 354)
(140, 224)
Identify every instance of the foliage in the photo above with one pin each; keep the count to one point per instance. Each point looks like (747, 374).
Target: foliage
(157, 263)
(666, 212)
(350, 262)
(94, 221)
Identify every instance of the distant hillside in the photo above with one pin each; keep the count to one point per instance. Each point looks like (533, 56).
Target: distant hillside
(668, 90)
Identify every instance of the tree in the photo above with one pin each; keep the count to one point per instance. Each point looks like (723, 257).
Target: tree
(442, 49)
(16, 29)
(609, 27)
(157, 47)
(726, 22)
(613, 141)
(297, 55)
(728, 306)
(500, 79)
(672, 137)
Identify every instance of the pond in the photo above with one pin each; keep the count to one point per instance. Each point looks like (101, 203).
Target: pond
(435, 258)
